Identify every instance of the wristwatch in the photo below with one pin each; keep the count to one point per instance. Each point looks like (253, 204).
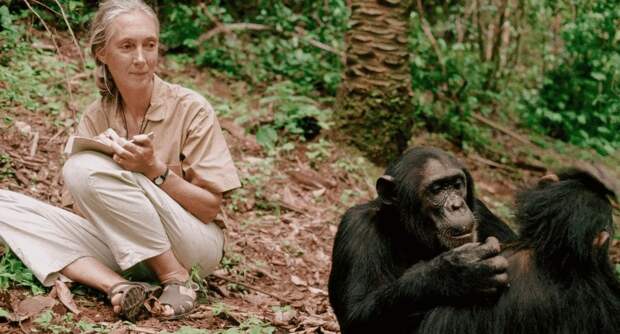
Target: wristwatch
(162, 178)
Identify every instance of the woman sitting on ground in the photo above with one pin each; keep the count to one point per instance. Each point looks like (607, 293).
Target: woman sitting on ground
(153, 201)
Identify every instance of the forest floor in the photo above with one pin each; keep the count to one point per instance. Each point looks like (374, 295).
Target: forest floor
(281, 224)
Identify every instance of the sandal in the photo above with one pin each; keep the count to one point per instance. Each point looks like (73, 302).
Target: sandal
(180, 296)
(134, 295)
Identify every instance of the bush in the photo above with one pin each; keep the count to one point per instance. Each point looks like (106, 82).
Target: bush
(578, 101)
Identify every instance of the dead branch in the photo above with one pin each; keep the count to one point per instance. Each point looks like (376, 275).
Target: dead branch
(429, 34)
(34, 145)
(77, 45)
(501, 128)
(493, 163)
(228, 28)
(299, 32)
(302, 33)
(251, 287)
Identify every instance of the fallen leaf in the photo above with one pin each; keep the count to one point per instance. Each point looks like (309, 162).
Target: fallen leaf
(32, 306)
(65, 296)
(317, 291)
(284, 317)
(298, 281)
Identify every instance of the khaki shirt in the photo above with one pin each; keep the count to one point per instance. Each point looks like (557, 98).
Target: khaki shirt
(187, 135)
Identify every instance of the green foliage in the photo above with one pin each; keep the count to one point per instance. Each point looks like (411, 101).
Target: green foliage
(13, 271)
(277, 46)
(291, 113)
(455, 79)
(250, 326)
(578, 101)
(31, 78)
(6, 169)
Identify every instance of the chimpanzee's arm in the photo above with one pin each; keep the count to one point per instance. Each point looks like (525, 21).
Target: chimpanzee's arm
(370, 294)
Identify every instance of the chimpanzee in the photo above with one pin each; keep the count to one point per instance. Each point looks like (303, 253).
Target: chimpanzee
(562, 280)
(415, 247)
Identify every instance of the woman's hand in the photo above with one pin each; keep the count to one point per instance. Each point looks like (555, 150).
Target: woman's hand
(138, 155)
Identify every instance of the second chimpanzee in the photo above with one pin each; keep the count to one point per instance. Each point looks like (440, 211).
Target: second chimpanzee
(414, 247)
(561, 278)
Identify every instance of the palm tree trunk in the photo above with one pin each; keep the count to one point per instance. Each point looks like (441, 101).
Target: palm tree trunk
(374, 107)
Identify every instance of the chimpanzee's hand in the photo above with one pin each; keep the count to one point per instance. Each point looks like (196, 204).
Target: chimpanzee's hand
(472, 269)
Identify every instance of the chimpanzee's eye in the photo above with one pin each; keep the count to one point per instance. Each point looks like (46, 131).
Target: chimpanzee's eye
(435, 188)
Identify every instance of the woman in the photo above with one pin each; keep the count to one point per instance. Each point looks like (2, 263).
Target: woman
(153, 201)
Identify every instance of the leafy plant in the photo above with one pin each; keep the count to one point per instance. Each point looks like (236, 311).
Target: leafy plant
(578, 101)
(13, 271)
(295, 114)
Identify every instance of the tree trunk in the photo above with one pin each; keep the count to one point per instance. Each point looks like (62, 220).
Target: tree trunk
(374, 108)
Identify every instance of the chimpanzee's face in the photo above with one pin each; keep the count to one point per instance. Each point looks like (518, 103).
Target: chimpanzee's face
(443, 193)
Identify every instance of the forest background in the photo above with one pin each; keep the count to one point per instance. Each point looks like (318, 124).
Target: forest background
(514, 88)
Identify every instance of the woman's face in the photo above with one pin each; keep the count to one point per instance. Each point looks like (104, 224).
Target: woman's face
(131, 51)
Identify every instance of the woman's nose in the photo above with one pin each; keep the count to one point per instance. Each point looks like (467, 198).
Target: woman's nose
(139, 56)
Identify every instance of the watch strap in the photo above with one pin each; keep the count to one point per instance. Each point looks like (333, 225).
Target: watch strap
(161, 178)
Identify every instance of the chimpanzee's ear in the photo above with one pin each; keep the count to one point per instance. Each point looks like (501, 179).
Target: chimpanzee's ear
(548, 179)
(386, 189)
(600, 239)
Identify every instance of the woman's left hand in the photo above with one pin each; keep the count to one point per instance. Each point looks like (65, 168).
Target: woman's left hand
(138, 155)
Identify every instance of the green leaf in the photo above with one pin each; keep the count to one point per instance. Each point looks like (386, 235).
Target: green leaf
(598, 76)
(266, 136)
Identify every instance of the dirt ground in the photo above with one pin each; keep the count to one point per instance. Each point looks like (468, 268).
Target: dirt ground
(280, 225)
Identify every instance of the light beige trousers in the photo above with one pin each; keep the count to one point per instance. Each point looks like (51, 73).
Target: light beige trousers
(128, 220)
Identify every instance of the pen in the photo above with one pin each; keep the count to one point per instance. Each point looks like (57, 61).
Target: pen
(150, 135)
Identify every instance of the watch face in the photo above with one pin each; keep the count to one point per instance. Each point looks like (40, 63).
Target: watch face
(159, 180)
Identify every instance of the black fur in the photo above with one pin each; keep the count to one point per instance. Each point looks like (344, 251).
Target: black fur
(566, 284)
(388, 269)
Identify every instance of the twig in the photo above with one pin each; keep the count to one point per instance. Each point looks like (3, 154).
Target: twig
(46, 7)
(500, 128)
(493, 163)
(299, 32)
(34, 145)
(429, 34)
(227, 28)
(77, 45)
(57, 49)
(58, 133)
(302, 33)
(251, 287)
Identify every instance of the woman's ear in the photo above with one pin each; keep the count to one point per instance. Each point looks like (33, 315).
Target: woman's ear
(100, 54)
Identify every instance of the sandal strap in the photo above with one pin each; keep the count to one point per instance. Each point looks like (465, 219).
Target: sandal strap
(180, 302)
(133, 296)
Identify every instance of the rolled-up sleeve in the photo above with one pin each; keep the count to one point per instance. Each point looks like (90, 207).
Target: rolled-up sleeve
(207, 161)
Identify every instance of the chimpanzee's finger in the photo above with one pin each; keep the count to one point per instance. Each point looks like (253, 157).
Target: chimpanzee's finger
(467, 246)
(500, 279)
(487, 250)
(496, 264)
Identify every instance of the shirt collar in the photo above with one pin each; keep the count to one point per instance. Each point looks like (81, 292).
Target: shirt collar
(156, 111)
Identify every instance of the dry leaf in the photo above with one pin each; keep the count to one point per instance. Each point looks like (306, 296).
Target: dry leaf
(32, 306)
(284, 317)
(298, 281)
(65, 296)
(317, 291)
